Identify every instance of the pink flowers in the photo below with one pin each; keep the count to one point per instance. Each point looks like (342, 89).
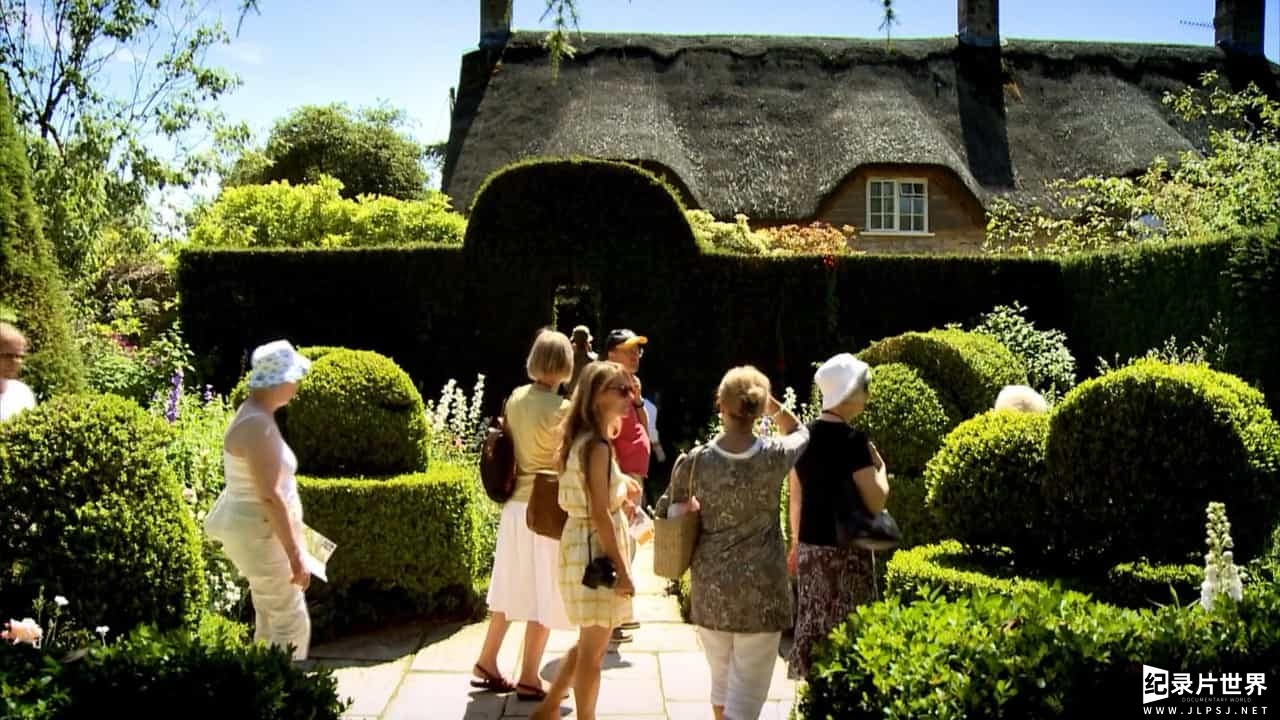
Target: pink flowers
(26, 631)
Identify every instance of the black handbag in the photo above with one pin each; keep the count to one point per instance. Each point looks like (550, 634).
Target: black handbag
(861, 529)
(857, 528)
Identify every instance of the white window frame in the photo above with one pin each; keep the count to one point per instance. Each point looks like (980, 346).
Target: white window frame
(897, 207)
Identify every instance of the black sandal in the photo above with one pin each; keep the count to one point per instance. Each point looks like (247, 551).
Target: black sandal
(492, 683)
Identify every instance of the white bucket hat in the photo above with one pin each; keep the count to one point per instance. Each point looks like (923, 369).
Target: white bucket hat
(840, 377)
(277, 363)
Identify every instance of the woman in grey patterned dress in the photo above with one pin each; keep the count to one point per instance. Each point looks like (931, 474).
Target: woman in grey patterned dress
(740, 593)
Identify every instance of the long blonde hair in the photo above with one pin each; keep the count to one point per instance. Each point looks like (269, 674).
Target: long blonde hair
(582, 416)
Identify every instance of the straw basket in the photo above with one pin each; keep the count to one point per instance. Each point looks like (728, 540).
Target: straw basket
(675, 538)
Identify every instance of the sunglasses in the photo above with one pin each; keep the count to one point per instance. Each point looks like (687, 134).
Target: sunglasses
(624, 390)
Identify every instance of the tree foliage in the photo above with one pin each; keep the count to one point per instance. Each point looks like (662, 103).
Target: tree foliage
(30, 289)
(1233, 185)
(316, 215)
(368, 150)
(119, 101)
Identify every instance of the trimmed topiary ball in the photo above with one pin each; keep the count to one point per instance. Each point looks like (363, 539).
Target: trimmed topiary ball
(985, 485)
(1135, 456)
(357, 413)
(904, 417)
(967, 370)
(93, 512)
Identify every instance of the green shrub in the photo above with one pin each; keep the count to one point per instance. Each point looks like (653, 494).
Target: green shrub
(967, 370)
(31, 294)
(316, 215)
(411, 537)
(94, 513)
(1038, 654)
(1142, 584)
(213, 673)
(904, 417)
(985, 486)
(1051, 369)
(907, 505)
(952, 569)
(1134, 455)
(357, 413)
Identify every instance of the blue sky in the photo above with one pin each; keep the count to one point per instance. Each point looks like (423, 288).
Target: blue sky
(407, 52)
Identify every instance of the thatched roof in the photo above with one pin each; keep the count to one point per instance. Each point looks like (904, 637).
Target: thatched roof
(769, 126)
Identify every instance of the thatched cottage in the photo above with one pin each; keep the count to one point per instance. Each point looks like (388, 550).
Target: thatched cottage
(908, 142)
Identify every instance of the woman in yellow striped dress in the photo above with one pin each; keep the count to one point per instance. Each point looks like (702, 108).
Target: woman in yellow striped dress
(592, 491)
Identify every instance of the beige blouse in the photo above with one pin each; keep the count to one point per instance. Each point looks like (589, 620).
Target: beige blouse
(533, 419)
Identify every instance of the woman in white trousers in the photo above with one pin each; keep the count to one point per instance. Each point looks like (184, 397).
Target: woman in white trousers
(258, 516)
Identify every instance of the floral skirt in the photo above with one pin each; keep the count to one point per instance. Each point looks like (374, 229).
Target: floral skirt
(831, 583)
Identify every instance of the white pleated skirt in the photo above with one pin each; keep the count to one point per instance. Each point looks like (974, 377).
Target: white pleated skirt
(526, 568)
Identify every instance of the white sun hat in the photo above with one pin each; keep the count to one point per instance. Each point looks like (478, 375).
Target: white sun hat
(276, 363)
(840, 377)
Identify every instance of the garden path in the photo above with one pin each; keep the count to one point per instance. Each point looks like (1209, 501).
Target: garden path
(423, 671)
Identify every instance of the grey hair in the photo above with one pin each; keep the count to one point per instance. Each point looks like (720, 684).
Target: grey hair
(1022, 399)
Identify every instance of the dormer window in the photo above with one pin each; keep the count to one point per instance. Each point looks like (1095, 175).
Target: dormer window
(897, 205)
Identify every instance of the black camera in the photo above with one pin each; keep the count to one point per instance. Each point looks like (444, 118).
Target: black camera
(600, 572)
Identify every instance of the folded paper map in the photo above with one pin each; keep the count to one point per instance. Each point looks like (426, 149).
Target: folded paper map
(317, 551)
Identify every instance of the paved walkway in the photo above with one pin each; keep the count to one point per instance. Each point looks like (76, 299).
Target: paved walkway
(425, 672)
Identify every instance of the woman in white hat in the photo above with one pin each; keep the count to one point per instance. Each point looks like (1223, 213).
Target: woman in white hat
(258, 516)
(832, 580)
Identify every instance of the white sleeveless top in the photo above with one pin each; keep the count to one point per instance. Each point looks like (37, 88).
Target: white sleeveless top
(239, 503)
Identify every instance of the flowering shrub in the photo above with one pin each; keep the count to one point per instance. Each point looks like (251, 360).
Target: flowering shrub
(1221, 576)
(816, 238)
(456, 428)
(195, 454)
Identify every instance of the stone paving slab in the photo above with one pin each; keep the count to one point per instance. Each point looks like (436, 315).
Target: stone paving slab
(415, 671)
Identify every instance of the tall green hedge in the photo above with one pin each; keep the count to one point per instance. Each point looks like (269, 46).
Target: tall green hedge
(541, 225)
(30, 284)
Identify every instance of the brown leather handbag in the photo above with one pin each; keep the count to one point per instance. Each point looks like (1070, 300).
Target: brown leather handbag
(544, 516)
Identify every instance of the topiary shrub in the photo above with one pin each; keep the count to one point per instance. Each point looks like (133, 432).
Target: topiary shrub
(1142, 584)
(93, 512)
(408, 541)
(356, 413)
(1134, 456)
(966, 369)
(952, 569)
(31, 294)
(1040, 653)
(904, 417)
(985, 485)
(907, 505)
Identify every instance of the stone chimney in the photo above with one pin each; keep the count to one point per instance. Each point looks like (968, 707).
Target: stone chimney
(495, 23)
(979, 24)
(1237, 25)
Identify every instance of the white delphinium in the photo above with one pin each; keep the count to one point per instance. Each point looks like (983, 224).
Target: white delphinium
(1221, 576)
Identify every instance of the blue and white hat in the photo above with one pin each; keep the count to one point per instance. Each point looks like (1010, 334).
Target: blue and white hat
(277, 363)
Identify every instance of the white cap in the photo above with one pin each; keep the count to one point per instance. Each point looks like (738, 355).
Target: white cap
(840, 377)
(277, 363)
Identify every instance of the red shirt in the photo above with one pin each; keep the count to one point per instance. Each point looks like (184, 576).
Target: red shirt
(632, 445)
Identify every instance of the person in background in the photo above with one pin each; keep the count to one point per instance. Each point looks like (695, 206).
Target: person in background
(15, 396)
(632, 444)
(524, 584)
(258, 516)
(832, 580)
(582, 355)
(1022, 399)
